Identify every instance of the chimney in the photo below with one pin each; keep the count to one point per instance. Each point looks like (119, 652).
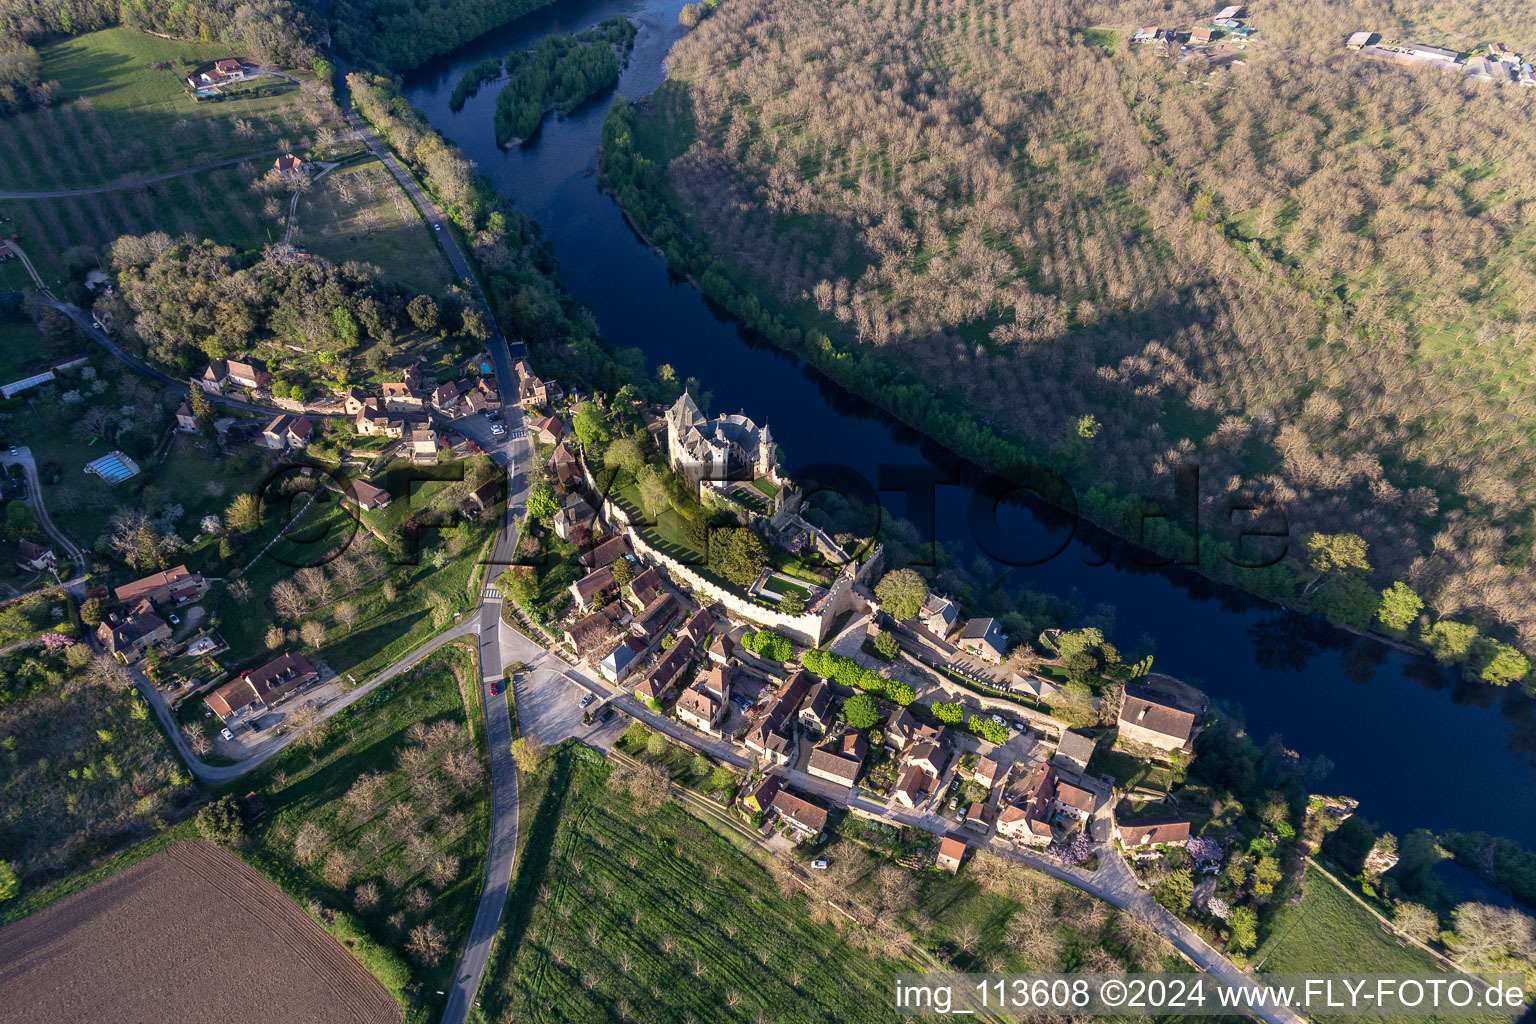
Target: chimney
(1141, 714)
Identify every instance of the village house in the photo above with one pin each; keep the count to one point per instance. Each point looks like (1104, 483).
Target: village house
(366, 496)
(563, 465)
(980, 816)
(531, 390)
(698, 626)
(485, 497)
(951, 853)
(222, 72)
(549, 429)
(1073, 801)
(703, 704)
(185, 421)
(1145, 839)
(258, 691)
(594, 585)
(622, 660)
(605, 553)
(717, 450)
(574, 512)
(370, 420)
(594, 632)
(986, 773)
(939, 616)
(129, 637)
(221, 373)
(1145, 35)
(817, 712)
(800, 814)
(485, 393)
(656, 617)
(984, 639)
(930, 755)
(445, 397)
(422, 444)
(287, 432)
(1029, 820)
(171, 586)
(646, 587)
(840, 762)
(1156, 719)
(913, 786)
(288, 164)
(1203, 34)
(722, 650)
(772, 736)
(1074, 751)
(666, 672)
(760, 796)
(32, 557)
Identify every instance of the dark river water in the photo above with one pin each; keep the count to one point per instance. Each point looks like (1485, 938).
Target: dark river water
(1414, 746)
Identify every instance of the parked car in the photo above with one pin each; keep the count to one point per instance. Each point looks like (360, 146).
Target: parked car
(174, 620)
(819, 865)
(15, 450)
(999, 719)
(495, 687)
(497, 429)
(1018, 726)
(226, 734)
(586, 701)
(606, 716)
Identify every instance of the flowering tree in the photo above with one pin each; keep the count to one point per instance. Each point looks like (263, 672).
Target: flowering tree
(55, 642)
(1203, 848)
(1075, 850)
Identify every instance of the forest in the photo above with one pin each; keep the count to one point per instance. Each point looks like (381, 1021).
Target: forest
(559, 72)
(1308, 274)
(399, 36)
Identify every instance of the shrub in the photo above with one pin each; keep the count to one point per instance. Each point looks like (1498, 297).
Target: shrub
(765, 643)
(220, 822)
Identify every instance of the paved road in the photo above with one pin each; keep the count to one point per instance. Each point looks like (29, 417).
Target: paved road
(35, 501)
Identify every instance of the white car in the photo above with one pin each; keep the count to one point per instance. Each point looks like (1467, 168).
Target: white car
(497, 429)
(226, 734)
(819, 865)
(174, 620)
(999, 719)
(437, 227)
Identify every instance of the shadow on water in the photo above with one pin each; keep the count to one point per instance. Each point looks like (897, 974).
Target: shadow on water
(1385, 718)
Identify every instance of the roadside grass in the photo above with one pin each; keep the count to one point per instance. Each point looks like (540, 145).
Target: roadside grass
(358, 212)
(1328, 932)
(395, 785)
(136, 119)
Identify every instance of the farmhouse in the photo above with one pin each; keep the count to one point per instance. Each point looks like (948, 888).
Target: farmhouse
(549, 430)
(222, 372)
(128, 638)
(171, 586)
(1203, 34)
(34, 557)
(984, 639)
(801, 814)
(366, 496)
(593, 633)
(606, 553)
(841, 762)
(288, 164)
(261, 690)
(1154, 718)
(1235, 11)
(1145, 35)
(657, 616)
(646, 587)
(951, 853)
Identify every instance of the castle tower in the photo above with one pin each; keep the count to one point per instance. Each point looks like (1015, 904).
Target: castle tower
(765, 459)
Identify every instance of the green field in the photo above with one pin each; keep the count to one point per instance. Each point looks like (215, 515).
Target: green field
(120, 117)
(393, 796)
(1328, 932)
(358, 212)
(25, 350)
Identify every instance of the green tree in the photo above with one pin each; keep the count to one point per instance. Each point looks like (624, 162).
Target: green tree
(202, 409)
(424, 314)
(522, 584)
(626, 454)
(1245, 929)
(900, 693)
(949, 713)
(885, 643)
(792, 604)
(542, 503)
(860, 711)
(220, 822)
(1334, 554)
(591, 428)
(243, 514)
(1449, 641)
(657, 745)
(655, 496)
(622, 571)
(901, 593)
(93, 611)
(10, 885)
(737, 554)
(1173, 889)
(1496, 663)
(1400, 606)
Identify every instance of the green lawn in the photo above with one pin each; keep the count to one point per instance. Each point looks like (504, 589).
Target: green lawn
(137, 119)
(1329, 933)
(418, 833)
(355, 212)
(25, 350)
(779, 585)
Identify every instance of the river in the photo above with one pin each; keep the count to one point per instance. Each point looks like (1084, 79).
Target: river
(1413, 745)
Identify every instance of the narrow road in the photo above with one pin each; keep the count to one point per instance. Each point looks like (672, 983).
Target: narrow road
(40, 510)
(148, 179)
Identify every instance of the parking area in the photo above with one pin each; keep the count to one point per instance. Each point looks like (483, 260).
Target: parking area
(549, 707)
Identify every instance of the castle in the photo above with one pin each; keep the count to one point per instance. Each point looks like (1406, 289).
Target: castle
(719, 450)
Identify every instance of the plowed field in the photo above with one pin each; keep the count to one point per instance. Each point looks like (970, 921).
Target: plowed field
(191, 934)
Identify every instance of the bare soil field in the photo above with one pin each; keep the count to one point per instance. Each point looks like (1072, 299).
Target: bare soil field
(190, 934)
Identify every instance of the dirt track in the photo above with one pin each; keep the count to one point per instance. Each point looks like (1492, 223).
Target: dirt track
(191, 934)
